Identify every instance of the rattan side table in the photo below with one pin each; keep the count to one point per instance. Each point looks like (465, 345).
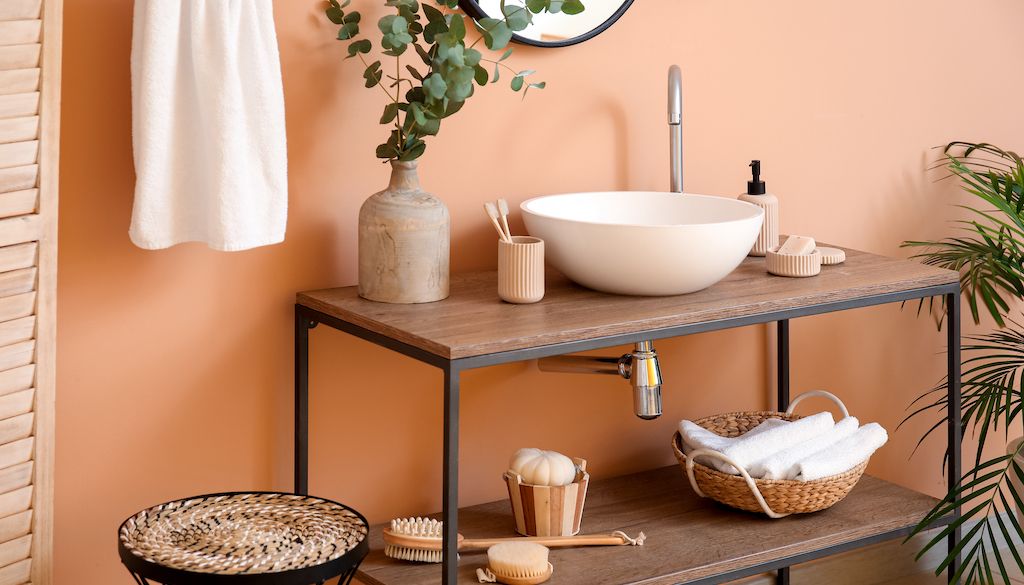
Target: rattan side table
(244, 538)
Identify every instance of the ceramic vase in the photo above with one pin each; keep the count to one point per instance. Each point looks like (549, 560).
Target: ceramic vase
(403, 242)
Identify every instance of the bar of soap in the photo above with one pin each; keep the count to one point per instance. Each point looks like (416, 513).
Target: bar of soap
(797, 246)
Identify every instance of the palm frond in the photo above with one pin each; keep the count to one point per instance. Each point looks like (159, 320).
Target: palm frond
(991, 386)
(988, 255)
(990, 536)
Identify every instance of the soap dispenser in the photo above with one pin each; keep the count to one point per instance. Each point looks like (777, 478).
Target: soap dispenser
(769, 236)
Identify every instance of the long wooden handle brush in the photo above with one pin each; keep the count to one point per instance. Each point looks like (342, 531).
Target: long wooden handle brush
(419, 539)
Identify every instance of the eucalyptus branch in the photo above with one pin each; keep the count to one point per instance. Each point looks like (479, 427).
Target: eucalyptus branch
(452, 67)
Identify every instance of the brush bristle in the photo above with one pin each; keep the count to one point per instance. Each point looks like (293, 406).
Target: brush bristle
(418, 527)
(518, 559)
(503, 206)
(425, 528)
(404, 553)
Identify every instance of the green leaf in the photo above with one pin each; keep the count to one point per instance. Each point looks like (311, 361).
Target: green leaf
(517, 17)
(393, 24)
(413, 153)
(335, 14)
(360, 46)
(435, 86)
(390, 113)
(432, 14)
(415, 74)
(353, 17)
(424, 54)
(517, 83)
(480, 75)
(505, 55)
(457, 26)
(537, 6)
(496, 33)
(572, 7)
(348, 30)
(434, 29)
(417, 113)
(373, 74)
(497, 74)
(472, 57)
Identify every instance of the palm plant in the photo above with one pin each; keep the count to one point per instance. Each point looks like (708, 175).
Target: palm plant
(988, 253)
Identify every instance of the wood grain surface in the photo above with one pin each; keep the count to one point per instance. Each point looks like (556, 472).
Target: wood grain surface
(687, 537)
(473, 321)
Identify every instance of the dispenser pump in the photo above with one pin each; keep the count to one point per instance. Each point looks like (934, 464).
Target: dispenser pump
(756, 186)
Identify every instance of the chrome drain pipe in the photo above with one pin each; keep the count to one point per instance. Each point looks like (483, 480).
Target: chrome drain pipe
(641, 368)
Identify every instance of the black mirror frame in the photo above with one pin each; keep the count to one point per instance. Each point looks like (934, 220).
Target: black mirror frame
(472, 8)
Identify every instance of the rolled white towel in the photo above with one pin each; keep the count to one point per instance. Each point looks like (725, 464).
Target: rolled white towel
(783, 465)
(697, 437)
(749, 450)
(844, 455)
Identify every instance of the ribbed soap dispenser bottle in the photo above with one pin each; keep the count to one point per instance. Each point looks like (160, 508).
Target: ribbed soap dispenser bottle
(769, 236)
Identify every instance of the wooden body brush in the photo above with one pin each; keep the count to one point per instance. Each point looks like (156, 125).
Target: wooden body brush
(516, 563)
(419, 539)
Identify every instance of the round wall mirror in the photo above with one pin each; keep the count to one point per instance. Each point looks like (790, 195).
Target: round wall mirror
(560, 29)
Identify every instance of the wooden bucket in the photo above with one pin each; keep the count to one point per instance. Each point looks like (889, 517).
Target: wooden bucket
(548, 510)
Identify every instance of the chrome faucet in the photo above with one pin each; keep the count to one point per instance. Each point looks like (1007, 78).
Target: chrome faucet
(641, 366)
(675, 126)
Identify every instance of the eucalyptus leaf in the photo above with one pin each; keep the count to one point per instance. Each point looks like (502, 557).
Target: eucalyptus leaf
(348, 30)
(517, 17)
(572, 7)
(432, 14)
(517, 83)
(335, 14)
(390, 113)
(480, 75)
(357, 47)
(415, 74)
(435, 86)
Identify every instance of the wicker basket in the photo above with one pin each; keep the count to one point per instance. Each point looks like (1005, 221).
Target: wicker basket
(776, 498)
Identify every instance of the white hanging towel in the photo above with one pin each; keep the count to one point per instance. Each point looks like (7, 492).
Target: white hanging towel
(208, 125)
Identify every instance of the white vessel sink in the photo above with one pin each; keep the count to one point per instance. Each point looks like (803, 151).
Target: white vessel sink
(643, 243)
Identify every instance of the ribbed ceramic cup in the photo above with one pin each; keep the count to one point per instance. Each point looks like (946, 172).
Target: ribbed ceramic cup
(521, 270)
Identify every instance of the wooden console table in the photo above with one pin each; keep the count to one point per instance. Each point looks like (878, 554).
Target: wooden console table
(690, 540)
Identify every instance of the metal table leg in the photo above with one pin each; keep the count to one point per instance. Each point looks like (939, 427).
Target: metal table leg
(953, 418)
(782, 388)
(450, 487)
(302, 326)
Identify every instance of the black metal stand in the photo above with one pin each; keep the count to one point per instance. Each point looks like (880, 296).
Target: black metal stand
(306, 318)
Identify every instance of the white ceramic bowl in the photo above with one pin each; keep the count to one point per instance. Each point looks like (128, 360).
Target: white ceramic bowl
(643, 243)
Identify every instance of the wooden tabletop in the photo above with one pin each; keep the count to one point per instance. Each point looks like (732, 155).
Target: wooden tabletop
(474, 322)
(687, 537)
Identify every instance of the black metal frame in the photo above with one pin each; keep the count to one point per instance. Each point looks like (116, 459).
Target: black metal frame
(473, 9)
(306, 318)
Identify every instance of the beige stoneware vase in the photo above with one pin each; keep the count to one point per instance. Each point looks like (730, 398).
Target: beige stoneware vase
(403, 242)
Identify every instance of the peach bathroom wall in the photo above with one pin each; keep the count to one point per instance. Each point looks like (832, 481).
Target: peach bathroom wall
(175, 366)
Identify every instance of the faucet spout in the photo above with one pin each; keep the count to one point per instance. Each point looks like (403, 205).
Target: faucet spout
(675, 127)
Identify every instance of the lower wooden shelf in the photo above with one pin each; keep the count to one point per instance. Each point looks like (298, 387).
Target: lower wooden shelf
(688, 538)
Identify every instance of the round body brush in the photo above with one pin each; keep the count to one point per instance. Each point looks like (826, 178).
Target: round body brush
(419, 539)
(516, 563)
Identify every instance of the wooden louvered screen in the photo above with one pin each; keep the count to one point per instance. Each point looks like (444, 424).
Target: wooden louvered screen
(30, 35)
